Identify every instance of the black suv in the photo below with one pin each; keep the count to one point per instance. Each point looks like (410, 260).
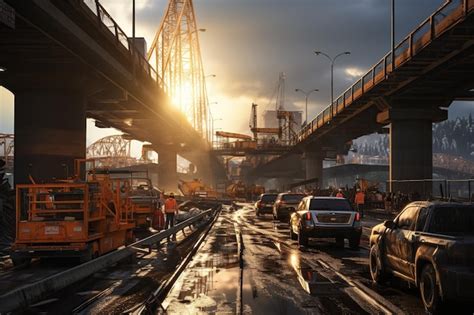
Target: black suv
(265, 203)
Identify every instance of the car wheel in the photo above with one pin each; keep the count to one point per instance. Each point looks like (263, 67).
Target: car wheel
(377, 270)
(293, 236)
(354, 242)
(19, 260)
(340, 242)
(429, 289)
(302, 239)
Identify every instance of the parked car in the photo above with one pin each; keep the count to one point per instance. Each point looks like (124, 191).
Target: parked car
(285, 204)
(326, 217)
(265, 203)
(431, 245)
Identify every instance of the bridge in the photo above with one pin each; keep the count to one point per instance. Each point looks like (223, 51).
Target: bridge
(68, 60)
(403, 95)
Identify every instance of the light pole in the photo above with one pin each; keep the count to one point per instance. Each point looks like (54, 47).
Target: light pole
(306, 94)
(211, 121)
(393, 33)
(332, 60)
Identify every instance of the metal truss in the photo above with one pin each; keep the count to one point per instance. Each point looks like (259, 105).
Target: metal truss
(175, 53)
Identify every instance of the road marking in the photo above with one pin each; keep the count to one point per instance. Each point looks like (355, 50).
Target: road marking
(365, 293)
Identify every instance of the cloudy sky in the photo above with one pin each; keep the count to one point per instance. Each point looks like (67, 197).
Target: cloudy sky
(248, 42)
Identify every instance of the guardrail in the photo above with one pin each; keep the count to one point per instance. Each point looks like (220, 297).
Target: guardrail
(444, 189)
(26, 295)
(435, 25)
(121, 38)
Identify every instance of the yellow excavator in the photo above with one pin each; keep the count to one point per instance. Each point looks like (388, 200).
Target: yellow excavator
(197, 189)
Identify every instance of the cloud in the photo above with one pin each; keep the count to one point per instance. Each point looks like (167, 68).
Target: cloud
(354, 72)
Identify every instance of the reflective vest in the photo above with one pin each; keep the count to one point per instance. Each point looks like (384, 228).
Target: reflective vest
(360, 198)
(171, 205)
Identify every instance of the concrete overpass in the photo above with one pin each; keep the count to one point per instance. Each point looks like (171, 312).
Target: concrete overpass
(433, 66)
(65, 61)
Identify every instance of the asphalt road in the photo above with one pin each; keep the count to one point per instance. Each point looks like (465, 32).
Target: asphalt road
(249, 265)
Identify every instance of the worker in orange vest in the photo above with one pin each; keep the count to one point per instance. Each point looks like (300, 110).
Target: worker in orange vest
(171, 208)
(359, 200)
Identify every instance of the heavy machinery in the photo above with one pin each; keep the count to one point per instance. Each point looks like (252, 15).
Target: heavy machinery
(83, 217)
(238, 190)
(196, 189)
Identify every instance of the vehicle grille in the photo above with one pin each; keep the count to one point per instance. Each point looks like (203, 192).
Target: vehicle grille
(333, 218)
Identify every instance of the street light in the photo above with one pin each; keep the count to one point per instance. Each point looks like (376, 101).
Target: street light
(306, 94)
(393, 33)
(332, 60)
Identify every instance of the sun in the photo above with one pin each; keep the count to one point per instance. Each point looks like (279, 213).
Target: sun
(183, 96)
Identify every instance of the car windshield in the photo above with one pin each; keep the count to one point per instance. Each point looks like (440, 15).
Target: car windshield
(269, 198)
(453, 221)
(292, 197)
(330, 204)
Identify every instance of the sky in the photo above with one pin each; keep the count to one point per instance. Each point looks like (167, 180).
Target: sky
(247, 44)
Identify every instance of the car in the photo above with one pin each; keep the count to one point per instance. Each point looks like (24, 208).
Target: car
(285, 204)
(265, 203)
(326, 217)
(430, 245)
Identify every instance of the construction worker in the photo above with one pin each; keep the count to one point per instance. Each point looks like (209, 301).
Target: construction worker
(171, 208)
(359, 200)
(339, 193)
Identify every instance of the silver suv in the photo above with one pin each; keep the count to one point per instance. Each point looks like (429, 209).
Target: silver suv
(326, 217)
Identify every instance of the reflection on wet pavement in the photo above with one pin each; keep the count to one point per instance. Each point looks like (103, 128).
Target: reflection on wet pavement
(275, 279)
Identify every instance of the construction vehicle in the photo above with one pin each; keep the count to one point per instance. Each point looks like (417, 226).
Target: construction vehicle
(79, 217)
(196, 189)
(238, 190)
(144, 197)
(373, 196)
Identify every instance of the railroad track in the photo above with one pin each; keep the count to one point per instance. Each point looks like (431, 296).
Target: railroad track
(38, 294)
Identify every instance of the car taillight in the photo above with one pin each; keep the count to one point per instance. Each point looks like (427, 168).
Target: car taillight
(308, 216)
(357, 216)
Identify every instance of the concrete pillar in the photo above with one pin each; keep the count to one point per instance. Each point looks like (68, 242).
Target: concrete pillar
(314, 166)
(411, 155)
(50, 132)
(411, 148)
(167, 169)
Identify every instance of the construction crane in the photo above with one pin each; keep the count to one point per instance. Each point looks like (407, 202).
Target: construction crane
(254, 125)
(175, 53)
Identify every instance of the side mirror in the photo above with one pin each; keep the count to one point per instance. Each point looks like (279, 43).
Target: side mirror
(389, 224)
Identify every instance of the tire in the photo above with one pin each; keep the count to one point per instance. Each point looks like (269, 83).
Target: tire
(302, 239)
(293, 236)
(377, 269)
(340, 242)
(19, 260)
(429, 289)
(354, 242)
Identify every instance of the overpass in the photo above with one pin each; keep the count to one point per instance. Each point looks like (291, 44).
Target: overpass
(432, 67)
(65, 61)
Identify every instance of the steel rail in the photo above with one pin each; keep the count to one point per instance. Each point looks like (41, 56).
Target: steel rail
(31, 293)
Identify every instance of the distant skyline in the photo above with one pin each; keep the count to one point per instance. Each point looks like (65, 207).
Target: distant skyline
(247, 43)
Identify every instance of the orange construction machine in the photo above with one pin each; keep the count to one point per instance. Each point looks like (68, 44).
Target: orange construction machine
(197, 189)
(144, 197)
(72, 218)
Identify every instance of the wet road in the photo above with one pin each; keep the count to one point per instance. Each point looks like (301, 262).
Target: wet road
(249, 265)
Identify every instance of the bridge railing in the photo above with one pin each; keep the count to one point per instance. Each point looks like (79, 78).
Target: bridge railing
(435, 25)
(138, 60)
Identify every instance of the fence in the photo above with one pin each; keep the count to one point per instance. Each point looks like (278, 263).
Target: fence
(444, 189)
